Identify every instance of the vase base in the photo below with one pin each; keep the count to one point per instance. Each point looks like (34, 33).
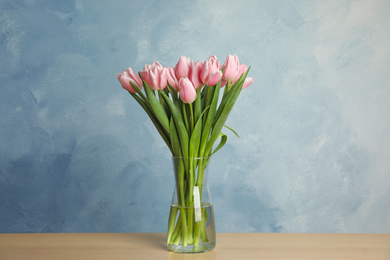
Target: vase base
(205, 247)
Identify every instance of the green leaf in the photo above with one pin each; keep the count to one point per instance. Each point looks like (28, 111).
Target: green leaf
(176, 149)
(181, 129)
(195, 139)
(164, 104)
(230, 96)
(157, 108)
(209, 95)
(221, 143)
(209, 119)
(155, 121)
(173, 93)
(185, 118)
(198, 104)
(231, 129)
(139, 92)
(226, 106)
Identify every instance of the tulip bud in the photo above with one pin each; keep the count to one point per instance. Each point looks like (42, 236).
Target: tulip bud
(247, 82)
(128, 76)
(242, 69)
(155, 76)
(187, 91)
(211, 73)
(172, 79)
(214, 61)
(232, 68)
(194, 75)
(182, 68)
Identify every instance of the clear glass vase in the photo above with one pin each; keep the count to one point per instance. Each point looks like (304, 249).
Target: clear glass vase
(191, 225)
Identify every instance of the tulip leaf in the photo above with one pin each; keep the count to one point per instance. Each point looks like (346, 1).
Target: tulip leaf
(209, 120)
(139, 92)
(176, 149)
(173, 93)
(198, 104)
(204, 96)
(231, 129)
(209, 95)
(195, 139)
(164, 104)
(185, 118)
(155, 121)
(157, 108)
(179, 166)
(233, 93)
(224, 110)
(221, 143)
(181, 129)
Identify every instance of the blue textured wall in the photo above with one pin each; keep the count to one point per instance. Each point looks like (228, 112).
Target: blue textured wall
(77, 154)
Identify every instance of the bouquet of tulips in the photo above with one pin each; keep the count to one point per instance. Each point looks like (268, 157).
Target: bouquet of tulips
(184, 104)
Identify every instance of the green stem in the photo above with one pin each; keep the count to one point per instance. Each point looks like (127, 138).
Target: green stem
(190, 221)
(177, 231)
(160, 98)
(192, 117)
(198, 104)
(190, 199)
(172, 219)
(203, 226)
(197, 233)
(184, 226)
(186, 118)
(178, 236)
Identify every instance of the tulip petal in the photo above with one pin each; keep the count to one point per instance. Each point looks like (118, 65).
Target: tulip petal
(182, 67)
(187, 91)
(232, 68)
(247, 82)
(214, 78)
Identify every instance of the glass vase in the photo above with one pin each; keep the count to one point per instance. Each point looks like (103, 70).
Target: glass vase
(191, 225)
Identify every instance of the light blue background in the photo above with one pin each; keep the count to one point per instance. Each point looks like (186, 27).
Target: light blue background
(77, 154)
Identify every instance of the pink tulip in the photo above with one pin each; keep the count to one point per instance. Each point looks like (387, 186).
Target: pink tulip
(172, 79)
(223, 83)
(155, 76)
(182, 68)
(232, 68)
(242, 69)
(247, 82)
(194, 74)
(211, 73)
(213, 60)
(128, 76)
(149, 67)
(187, 91)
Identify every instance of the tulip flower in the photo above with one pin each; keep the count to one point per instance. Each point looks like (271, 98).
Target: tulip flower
(242, 69)
(248, 80)
(232, 68)
(194, 74)
(149, 67)
(128, 76)
(187, 91)
(182, 68)
(211, 73)
(155, 76)
(214, 61)
(172, 79)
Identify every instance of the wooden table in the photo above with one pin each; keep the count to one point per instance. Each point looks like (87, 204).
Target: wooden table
(229, 246)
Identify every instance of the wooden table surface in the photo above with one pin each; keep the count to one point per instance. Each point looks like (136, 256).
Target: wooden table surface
(229, 246)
